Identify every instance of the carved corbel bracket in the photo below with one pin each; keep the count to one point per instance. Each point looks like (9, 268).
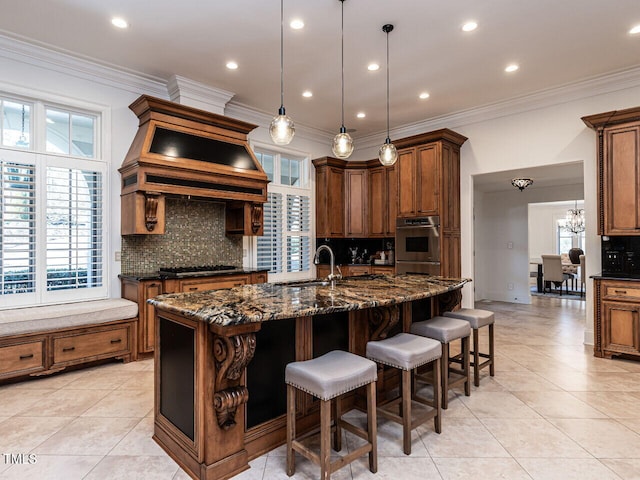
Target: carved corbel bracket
(257, 217)
(231, 355)
(382, 320)
(151, 201)
(448, 301)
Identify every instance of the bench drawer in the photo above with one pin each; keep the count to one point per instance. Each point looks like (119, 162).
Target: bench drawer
(24, 357)
(91, 345)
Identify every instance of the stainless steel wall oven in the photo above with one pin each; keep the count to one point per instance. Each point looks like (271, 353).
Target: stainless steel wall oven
(418, 245)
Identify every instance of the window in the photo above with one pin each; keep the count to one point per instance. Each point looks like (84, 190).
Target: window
(285, 248)
(53, 197)
(567, 240)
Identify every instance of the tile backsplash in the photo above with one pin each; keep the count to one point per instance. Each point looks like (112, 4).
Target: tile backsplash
(194, 236)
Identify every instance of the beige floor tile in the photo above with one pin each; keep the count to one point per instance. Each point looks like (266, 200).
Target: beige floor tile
(555, 404)
(65, 403)
(101, 380)
(396, 468)
(275, 469)
(87, 436)
(480, 469)
(139, 442)
(524, 382)
(14, 400)
(23, 434)
(602, 438)
(390, 439)
(128, 467)
(123, 403)
(54, 381)
(138, 380)
(533, 438)
(627, 469)
(139, 366)
(54, 467)
(567, 469)
(255, 472)
(182, 475)
(575, 381)
(613, 404)
(497, 405)
(631, 423)
(628, 365)
(463, 440)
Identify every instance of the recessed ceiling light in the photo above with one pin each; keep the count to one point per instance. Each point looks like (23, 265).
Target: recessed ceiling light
(119, 22)
(423, 95)
(232, 65)
(373, 67)
(635, 30)
(307, 94)
(511, 68)
(361, 115)
(296, 24)
(469, 26)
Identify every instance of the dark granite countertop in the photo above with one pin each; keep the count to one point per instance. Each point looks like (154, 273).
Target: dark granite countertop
(156, 276)
(617, 276)
(275, 301)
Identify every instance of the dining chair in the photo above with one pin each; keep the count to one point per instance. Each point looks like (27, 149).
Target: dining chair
(552, 273)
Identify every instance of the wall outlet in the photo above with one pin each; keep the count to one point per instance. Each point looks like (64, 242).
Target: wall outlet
(118, 256)
(509, 286)
(510, 245)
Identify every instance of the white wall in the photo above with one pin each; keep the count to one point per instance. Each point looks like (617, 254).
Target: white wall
(543, 227)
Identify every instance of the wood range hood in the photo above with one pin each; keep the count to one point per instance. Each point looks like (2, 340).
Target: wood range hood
(189, 153)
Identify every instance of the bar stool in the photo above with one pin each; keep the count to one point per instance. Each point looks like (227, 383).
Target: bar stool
(326, 378)
(477, 319)
(408, 352)
(446, 330)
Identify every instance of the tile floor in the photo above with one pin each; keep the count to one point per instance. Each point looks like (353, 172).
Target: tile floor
(553, 411)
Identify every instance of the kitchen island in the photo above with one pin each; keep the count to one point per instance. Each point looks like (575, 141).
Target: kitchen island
(219, 364)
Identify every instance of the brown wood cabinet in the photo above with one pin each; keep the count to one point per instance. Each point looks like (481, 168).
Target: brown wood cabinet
(329, 197)
(617, 318)
(383, 202)
(356, 218)
(356, 270)
(618, 170)
(140, 291)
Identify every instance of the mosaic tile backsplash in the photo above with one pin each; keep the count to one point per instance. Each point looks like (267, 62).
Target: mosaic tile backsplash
(194, 236)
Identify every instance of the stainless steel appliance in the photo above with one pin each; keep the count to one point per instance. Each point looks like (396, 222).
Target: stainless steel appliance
(418, 245)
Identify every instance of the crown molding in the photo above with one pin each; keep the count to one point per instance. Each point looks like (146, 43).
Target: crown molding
(68, 63)
(263, 119)
(198, 95)
(599, 85)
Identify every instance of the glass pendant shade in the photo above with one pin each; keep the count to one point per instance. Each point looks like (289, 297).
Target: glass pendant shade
(388, 153)
(281, 128)
(342, 144)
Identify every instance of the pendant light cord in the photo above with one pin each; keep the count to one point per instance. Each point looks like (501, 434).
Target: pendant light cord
(388, 137)
(342, 55)
(281, 53)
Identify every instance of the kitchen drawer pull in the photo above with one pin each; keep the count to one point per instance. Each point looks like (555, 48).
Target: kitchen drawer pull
(622, 292)
(68, 349)
(154, 284)
(193, 288)
(25, 357)
(239, 284)
(118, 340)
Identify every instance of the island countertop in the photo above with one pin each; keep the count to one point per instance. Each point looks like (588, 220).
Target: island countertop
(275, 301)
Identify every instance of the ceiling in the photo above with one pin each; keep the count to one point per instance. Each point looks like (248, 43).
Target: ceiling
(555, 43)
(545, 176)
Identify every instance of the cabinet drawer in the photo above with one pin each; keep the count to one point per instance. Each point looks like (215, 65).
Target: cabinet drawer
(358, 271)
(621, 291)
(390, 270)
(199, 285)
(105, 343)
(22, 357)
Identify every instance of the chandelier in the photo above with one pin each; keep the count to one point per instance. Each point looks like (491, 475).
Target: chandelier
(521, 183)
(574, 221)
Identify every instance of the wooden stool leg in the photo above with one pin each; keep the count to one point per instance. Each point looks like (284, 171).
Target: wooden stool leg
(372, 428)
(291, 429)
(465, 349)
(476, 358)
(492, 369)
(406, 411)
(325, 439)
(337, 433)
(437, 396)
(445, 375)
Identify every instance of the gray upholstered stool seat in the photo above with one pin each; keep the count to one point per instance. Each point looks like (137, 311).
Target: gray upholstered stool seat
(446, 330)
(328, 377)
(477, 319)
(408, 352)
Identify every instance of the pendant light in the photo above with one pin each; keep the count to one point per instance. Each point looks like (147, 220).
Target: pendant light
(387, 153)
(282, 129)
(574, 221)
(342, 142)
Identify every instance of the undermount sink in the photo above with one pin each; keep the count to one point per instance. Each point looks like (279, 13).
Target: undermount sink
(310, 283)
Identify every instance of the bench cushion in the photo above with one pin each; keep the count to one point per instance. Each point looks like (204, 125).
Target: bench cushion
(477, 318)
(404, 351)
(443, 329)
(69, 315)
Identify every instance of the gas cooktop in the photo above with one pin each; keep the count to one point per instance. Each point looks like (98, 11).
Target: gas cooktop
(200, 270)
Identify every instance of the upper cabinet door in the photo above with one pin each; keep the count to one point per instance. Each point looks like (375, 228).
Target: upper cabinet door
(329, 201)
(377, 202)
(427, 180)
(621, 180)
(356, 203)
(406, 173)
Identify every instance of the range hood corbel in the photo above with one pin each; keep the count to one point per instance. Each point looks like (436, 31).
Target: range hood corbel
(185, 152)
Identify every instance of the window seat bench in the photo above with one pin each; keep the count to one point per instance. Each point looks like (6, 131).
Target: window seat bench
(47, 339)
